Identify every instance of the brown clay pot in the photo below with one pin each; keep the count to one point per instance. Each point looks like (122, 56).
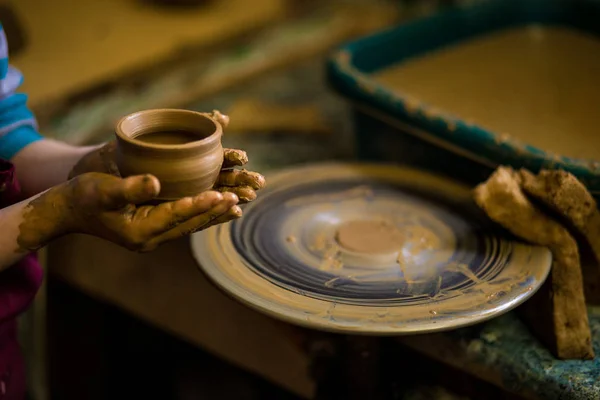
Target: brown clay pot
(181, 148)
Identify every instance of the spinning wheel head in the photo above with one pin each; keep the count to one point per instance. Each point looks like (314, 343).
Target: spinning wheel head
(372, 249)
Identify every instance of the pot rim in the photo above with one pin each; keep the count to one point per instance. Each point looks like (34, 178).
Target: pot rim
(215, 136)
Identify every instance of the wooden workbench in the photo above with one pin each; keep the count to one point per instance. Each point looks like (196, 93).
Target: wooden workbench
(166, 289)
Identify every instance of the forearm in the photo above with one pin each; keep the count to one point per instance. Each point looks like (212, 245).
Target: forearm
(19, 235)
(46, 163)
(41, 163)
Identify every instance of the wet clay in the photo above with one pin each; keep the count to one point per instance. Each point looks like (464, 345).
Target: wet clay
(73, 206)
(183, 169)
(569, 199)
(171, 137)
(97, 204)
(433, 307)
(105, 206)
(102, 159)
(534, 84)
(240, 182)
(557, 313)
(41, 221)
(372, 237)
(359, 192)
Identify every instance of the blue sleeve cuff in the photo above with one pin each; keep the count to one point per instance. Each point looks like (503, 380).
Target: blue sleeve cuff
(17, 139)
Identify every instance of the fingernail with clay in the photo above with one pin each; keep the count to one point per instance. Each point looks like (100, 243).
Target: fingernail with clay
(261, 181)
(151, 184)
(236, 211)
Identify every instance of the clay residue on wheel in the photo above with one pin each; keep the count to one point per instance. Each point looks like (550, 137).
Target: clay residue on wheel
(370, 236)
(438, 309)
(359, 192)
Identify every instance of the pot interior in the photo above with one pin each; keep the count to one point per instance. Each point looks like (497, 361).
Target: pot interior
(167, 127)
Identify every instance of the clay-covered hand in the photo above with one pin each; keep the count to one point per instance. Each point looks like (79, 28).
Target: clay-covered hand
(113, 208)
(102, 159)
(241, 182)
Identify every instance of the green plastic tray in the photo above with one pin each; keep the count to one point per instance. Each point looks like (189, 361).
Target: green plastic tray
(388, 130)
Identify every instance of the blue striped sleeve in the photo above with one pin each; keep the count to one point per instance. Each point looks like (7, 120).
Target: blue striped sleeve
(18, 127)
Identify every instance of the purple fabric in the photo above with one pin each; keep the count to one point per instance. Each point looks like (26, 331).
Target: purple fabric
(18, 286)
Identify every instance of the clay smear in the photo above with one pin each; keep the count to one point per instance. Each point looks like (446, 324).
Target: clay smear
(535, 84)
(380, 246)
(436, 310)
(43, 219)
(558, 313)
(359, 192)
(114, 209)
(562, 193)
(370, 236)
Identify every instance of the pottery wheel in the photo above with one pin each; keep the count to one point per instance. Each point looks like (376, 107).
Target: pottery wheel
(370, 249)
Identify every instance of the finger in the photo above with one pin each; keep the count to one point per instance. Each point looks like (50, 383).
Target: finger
(234, 158)
(116, 192)
(197, 223)
(245, 193)
(241, 178)
(234, 212)
(191, 225)
(167, 215)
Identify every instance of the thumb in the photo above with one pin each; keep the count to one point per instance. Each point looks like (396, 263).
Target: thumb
(132, 190)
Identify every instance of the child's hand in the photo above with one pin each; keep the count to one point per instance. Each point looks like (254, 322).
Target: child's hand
(109, 207)
(240, 182)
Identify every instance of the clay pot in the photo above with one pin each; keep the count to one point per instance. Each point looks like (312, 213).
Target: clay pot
(181, 148)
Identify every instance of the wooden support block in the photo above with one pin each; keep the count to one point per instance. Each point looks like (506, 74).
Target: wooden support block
(558, 313)
(564, 195)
